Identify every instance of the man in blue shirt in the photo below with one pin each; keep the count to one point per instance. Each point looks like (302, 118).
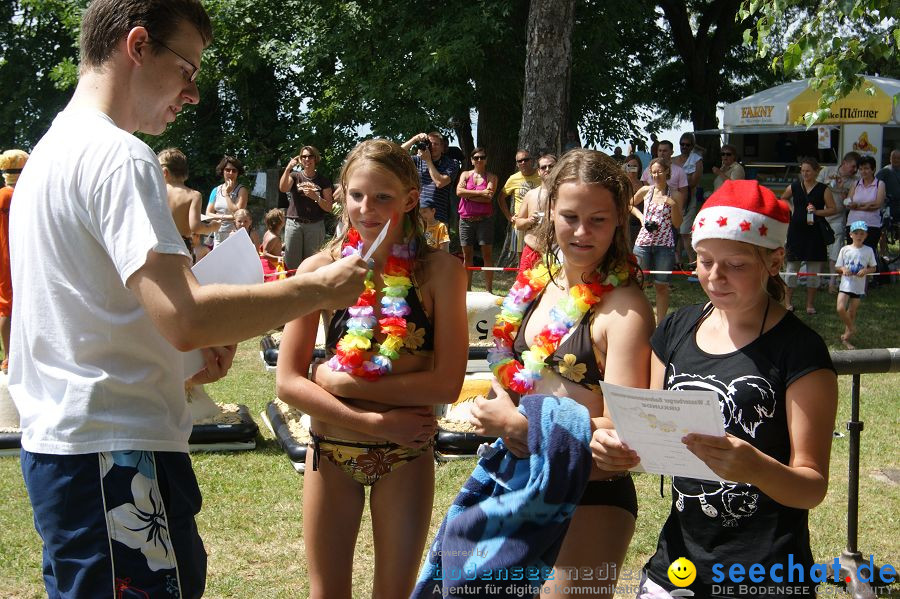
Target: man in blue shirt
(436, 171)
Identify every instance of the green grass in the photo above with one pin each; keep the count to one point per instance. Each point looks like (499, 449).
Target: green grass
(252, 520)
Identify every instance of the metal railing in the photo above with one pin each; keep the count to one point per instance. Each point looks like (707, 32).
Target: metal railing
(856, 363)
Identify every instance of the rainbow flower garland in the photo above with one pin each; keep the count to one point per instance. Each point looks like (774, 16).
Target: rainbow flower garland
(568, 312)
(351, 353)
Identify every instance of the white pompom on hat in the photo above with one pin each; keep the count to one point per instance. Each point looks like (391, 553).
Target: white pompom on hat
(743, 211)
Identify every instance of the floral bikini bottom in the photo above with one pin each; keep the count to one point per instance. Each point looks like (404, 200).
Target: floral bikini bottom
(364, 462)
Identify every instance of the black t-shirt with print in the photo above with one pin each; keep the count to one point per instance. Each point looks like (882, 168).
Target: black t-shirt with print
(727, 523)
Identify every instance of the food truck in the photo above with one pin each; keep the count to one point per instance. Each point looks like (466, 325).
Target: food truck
(767, 127)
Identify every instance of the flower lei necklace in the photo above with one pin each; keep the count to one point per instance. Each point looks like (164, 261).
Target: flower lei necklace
(568, 312)
(351, 353)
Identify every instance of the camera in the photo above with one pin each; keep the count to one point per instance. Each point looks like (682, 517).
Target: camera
(651, 226)
(422, 144)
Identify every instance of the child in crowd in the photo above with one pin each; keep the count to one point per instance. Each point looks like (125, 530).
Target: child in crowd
(244, 220)
(185, 204)
(854, 262)
(271, 248)
(393, 356)
(436, 233)
(777, 390)
(588, 197)
(11, 164)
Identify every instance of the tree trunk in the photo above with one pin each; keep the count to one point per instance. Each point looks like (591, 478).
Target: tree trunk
(548, 70)
(462, 126)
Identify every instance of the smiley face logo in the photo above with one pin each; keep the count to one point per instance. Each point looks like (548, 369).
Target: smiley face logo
(682, 572)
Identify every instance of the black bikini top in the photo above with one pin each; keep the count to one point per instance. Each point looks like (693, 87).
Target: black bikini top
(582, 367)
(421, 330)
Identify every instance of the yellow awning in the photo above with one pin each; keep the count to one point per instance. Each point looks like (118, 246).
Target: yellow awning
(860, 106)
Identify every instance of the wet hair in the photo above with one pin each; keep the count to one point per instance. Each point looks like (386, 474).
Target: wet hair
(273, 218)
(592, 167)
(870, 160)
(775, 285)
(174, 161)
(226, 160)
(106, 22)
(387, 158)
(688, 136)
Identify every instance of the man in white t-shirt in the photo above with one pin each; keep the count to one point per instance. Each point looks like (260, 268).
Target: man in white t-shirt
(105, 304)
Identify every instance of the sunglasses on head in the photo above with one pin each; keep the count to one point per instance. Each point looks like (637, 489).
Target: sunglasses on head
(521, 160)
(479, 157)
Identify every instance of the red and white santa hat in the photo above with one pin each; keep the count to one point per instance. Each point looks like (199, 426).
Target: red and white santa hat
(743, 211)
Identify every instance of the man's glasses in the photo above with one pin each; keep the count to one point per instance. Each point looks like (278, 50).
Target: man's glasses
(522, 160)
(726, 154)
(188, 77)
(686, 145)
(479, 157)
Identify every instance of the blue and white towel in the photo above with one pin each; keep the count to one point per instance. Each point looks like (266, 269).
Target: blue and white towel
(503, 532)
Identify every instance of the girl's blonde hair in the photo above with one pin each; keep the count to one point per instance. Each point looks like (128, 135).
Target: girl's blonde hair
(592, 167)
(242, 212)
(387, 158)
(775, 285)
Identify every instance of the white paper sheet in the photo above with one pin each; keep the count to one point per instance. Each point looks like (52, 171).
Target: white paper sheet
(652, 422)
(235, 261)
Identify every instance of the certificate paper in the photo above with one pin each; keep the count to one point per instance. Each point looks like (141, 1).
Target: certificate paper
(652, 423)
(234, 262)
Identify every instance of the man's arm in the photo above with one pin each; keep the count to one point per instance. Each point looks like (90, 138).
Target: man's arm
(191, 316)
(439, 178)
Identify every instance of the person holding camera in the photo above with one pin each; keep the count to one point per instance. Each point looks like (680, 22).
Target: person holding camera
(436, 171)
(310, 198)
(655, 244)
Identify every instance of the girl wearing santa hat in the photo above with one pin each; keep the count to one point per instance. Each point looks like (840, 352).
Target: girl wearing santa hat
(777, 390)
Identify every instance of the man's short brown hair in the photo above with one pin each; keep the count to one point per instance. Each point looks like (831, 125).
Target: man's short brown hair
(174, 160)
(105, 22)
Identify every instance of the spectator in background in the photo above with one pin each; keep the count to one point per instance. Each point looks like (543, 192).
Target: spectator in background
(890, 174)
(518, 184)
(655, 244)
(244, 220)
(633, 167)
(476, 190)
(731, 169)
(840, 179)
(691, 160)
(310, 199)
(785, 151)
(532, 213)
(572, 140)
(654, 144)
(185, 203)
(865, 200)
(271, 249)
(11, 164)
(227, 197)
(618, 156)
(678, 183)
(436, 233)
(436, 171)
(808, 198)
